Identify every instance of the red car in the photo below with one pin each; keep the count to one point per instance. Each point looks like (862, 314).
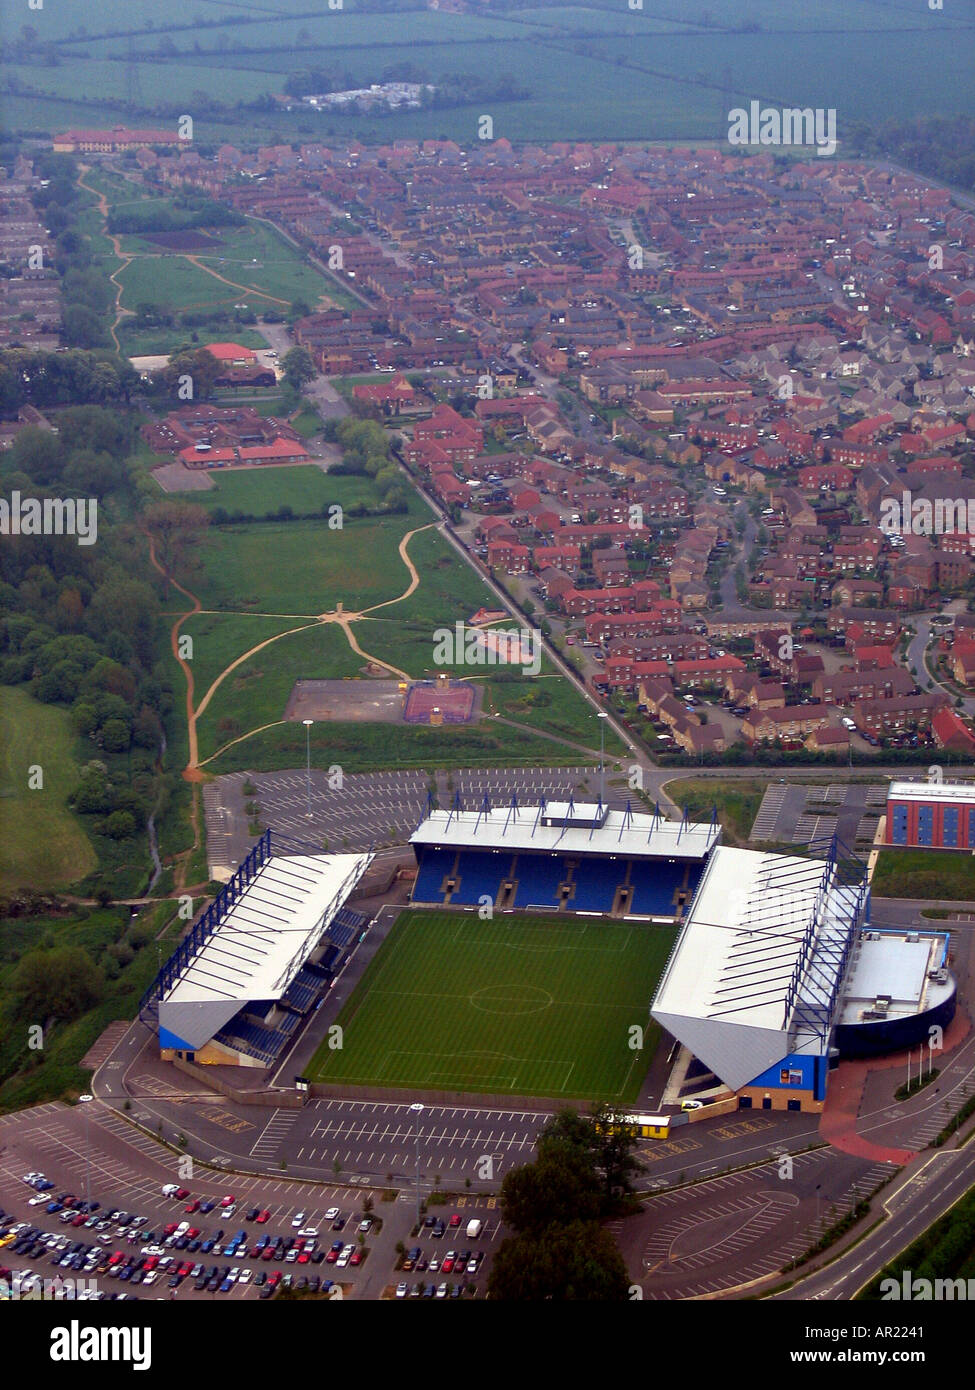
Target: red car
(192, 1206)
(168, 1230)
(455, 1219)
(356, 1257)
(332, 1256)
(267, 1253)
(192, 1233)
(263, 1216)
(304, 1257)
(230, 1199)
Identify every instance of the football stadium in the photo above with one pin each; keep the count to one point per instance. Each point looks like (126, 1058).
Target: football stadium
(548, 950)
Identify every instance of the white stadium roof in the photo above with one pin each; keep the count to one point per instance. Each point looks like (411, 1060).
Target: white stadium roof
(757, 959)
(261, 943)
(568, 828)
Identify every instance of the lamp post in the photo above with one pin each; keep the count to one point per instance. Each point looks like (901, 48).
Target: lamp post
(308, 723)
(417, 1109)
(602, 716)
(86, 1100)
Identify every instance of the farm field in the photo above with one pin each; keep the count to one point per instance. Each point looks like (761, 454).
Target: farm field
(43, 845)
(516, 1005)
(593, 70)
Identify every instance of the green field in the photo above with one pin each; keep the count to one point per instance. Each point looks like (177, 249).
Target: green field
(303, 567)
(924, 873)
(258, 579)
(518, 1005)
(43, 845)
(593, 70)
(261, 492)
(737, 801)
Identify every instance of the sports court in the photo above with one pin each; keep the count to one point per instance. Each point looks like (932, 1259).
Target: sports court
(453, 700)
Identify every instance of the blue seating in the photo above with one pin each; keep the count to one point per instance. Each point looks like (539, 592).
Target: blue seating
(596, 882)
(435, 864)
(251, 1039)
(539, 876)
(303, 990)
(479, 876)
(657, 883)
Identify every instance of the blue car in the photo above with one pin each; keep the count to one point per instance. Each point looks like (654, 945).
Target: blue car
(226, 1286)
(52, 1207)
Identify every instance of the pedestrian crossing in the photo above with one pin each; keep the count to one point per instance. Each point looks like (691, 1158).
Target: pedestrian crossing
(271, 1140)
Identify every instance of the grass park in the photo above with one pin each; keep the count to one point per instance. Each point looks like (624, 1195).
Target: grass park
(518, 1005)
(246, 601)
(43, 845)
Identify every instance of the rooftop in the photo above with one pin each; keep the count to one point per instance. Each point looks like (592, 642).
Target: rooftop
(569, 828)
(961, 792)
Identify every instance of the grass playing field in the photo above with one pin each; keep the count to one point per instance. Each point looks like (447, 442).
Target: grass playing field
(43, 845)
(522, 1005)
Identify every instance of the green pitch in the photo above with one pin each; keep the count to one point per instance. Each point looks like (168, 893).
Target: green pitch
(524, 1005)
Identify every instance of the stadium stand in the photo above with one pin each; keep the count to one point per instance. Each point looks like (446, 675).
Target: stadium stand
(595, 883)
(479, 875)
(435, 865)
(539, 877)
(239, 984)
(562, 856)
(655, 887)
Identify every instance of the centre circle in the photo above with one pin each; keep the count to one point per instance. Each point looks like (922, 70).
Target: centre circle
(511, 999)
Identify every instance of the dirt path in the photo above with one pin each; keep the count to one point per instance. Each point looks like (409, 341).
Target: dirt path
(247, 289)
(414, 577)
(125, 256)
(192, 772)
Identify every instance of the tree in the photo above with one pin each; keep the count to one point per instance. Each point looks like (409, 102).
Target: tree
(578, 1261)
(298, 367)
(540, 1194)
(60, 984)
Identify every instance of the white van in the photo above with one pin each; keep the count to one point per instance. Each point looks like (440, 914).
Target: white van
(474, 1229)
